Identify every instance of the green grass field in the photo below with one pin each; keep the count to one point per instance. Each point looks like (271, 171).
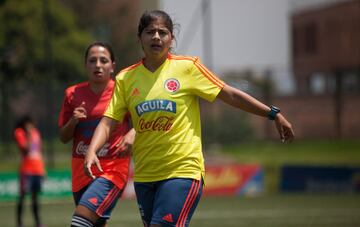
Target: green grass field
(308, 152)
(272, 209)
(269, 211)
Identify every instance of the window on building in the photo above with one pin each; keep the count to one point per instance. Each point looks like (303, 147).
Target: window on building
(317, 83)
(351, 82)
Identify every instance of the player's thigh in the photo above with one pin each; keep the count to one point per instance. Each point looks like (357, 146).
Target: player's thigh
(77, 195)
(175, 201)
(35, 183)
(101, 197)
(145, 194)
(30, 183)
(23, 184)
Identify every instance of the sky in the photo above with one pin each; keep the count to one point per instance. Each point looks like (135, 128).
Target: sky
(244, 34)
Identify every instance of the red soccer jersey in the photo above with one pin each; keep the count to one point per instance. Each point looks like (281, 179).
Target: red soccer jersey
(114, 164)
(31, 161)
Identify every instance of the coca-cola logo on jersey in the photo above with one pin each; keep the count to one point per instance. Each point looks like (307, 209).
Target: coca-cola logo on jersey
(81, 149)
(161, 123)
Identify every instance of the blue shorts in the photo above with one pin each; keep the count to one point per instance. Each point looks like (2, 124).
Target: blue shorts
(30, 183)
(169, 202)
(100, 197)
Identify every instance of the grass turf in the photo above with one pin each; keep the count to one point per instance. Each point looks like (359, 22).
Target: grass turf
(290, 210)
(278, 210)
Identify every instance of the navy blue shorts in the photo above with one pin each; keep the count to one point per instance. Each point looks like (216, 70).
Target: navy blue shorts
(100, 197)
(30, 183)
(169, 202)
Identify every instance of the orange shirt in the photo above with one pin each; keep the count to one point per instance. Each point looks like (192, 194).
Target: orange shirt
(31, 146)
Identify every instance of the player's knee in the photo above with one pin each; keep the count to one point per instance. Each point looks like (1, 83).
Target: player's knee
(101, 222)
(85, 212)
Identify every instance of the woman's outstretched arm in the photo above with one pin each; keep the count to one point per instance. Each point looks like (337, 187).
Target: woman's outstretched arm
(246, 102)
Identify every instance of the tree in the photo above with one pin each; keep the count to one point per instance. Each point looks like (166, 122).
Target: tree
(113, 21)
(24, 33)
(40, 43)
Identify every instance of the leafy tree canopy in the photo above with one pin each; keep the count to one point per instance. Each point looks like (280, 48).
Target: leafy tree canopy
(39, 39)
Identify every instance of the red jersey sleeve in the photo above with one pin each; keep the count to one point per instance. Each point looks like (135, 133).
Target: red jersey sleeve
(66, 109)
(20, 138)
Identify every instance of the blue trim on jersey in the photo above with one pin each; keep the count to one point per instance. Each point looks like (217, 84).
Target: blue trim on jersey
(87, 127)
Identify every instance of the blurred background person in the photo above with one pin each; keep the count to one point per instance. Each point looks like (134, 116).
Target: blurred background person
(32, 170)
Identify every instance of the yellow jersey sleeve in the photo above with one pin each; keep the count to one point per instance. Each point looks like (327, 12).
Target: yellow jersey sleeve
(117, 107)
(204, 83)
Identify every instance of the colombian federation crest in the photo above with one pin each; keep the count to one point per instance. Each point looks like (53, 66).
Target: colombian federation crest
(172, 85)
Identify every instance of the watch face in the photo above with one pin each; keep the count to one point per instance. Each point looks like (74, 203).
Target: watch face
(275, 109)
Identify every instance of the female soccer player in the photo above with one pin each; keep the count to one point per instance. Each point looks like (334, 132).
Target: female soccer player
(161, 92)
(32, 170)
(82, 109)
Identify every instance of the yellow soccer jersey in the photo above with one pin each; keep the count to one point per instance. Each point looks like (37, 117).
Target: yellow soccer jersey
(165, 113)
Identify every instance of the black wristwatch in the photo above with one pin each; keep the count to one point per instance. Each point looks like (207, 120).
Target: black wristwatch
(273, 111)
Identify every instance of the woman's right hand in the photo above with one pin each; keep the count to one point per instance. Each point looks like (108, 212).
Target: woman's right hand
(79, 112)
(66, 132)
(90, 160)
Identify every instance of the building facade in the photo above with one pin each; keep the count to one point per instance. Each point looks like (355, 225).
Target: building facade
(326, 67)
(326, 48)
